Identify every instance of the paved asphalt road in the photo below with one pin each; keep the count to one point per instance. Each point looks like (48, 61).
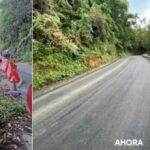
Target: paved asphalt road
(26, 73)
(92, 112)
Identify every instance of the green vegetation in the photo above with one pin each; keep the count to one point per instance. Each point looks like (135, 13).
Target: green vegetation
(10, 109)
(73, 36)
(16, 28)
(141, 43)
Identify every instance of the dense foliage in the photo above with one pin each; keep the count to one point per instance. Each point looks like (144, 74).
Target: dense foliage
(141, 42)
(72, 36)
(16, 27)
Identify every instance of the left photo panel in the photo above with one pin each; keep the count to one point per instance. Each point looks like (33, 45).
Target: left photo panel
(15, 74)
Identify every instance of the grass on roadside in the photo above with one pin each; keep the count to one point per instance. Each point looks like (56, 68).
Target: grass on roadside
(58, 66)
(10, 109)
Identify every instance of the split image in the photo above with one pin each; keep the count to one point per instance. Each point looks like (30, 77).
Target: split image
(90, 83)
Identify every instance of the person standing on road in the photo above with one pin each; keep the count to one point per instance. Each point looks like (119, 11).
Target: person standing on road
(6, 54)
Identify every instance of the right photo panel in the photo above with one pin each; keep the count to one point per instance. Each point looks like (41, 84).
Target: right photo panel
(91, 74)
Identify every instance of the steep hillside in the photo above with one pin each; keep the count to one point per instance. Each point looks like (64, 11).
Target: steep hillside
(73, 36)
(16, 28)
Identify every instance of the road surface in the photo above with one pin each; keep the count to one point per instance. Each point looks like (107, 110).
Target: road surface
(25, 71)
(92, 112)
